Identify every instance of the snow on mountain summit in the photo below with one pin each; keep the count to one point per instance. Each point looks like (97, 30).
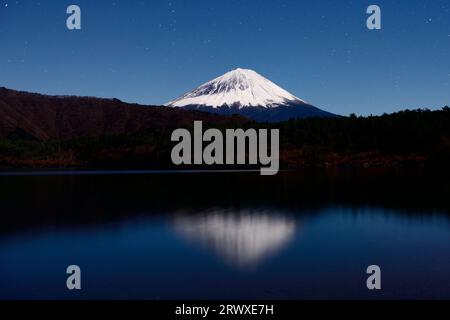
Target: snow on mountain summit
(238, 88)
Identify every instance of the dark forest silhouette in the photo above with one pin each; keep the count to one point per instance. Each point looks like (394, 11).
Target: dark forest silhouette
(63, 132)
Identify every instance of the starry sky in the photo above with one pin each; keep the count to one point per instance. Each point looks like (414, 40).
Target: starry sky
(152, 51)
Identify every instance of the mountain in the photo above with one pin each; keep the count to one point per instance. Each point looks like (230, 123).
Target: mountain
(41, 131)
(43, 117)
(247, 93)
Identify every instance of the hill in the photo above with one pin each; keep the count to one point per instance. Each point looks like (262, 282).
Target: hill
(43, 117)
(38, 131)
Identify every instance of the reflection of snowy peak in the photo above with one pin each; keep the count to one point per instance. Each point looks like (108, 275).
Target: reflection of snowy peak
(247, 93)
(238, 88)
(242, 239)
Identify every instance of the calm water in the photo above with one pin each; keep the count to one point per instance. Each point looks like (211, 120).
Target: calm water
(225, 235)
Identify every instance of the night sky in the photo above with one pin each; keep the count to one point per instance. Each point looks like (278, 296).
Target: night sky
(153, 51)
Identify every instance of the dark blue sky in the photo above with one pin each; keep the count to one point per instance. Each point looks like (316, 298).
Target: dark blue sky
(153, 51)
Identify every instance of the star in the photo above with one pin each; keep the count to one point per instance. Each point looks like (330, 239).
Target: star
(6, 5)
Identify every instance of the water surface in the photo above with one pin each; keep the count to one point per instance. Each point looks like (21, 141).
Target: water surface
(225, 235)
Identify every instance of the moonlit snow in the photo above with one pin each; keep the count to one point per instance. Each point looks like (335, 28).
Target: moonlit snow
(241, 88)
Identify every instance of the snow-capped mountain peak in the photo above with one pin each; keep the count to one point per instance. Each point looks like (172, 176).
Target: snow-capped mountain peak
(238, 88)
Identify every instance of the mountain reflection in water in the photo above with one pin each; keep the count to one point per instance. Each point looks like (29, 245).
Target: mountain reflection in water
(243, 238)
(232, 236)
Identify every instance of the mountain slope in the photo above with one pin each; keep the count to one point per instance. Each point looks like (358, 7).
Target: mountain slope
(239, 88)
(247, 93)
(43, 117)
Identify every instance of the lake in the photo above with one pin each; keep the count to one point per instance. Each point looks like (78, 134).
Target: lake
(225, 235)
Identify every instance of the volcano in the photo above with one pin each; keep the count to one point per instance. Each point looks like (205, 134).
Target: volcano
(247, 93)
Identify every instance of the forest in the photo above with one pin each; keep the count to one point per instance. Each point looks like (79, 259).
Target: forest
(411, 137)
